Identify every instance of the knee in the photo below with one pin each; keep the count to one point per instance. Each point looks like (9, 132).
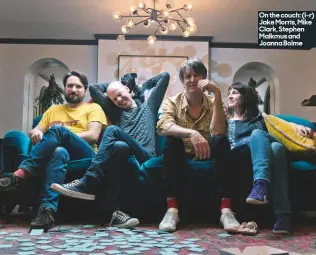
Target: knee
(120, 148)
(173, 144)
(258, 132)
(57, 128)
(61, 152)
(111, 130)
(278, 150)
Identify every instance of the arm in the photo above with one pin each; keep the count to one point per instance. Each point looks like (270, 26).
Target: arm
(160, 84)
(97, 92)
(302, 130)
(218, 123)
(96, 121)
(167, 126)
(167, 123)
(91, 136)
(36, 134)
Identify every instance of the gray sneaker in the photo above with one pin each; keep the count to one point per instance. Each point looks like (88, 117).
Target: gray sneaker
(229, 222)
(123, 220)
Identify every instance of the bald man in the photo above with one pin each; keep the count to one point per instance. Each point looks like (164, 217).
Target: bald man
(132, 133)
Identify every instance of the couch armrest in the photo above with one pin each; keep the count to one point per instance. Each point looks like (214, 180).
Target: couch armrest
(15, 143)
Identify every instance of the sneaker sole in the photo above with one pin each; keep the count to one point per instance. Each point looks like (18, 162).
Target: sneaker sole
(231, 230)
(46, 227)
(281, 231)
(169, 230)
(128, 224)
(256, 202)
(71, 193)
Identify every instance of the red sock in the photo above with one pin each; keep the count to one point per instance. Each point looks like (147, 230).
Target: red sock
(225, 203)
(21, 173)
(172, 203)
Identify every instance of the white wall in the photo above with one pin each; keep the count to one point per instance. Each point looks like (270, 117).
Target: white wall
(15, 60)
(109, 50)
(295, 70)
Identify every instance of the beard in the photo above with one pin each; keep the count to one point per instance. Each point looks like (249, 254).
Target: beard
(71, 99)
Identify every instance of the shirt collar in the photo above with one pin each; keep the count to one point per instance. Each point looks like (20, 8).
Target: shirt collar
(185, 104)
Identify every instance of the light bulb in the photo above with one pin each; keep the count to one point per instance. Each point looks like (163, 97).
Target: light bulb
(192, 29)
(120, 38)
(165, 13)
(173, 25)
(170, 4)
(151, 39)
(130, 23)
(146, 23)
(190, 21)
(116, 16)
(141, 5)
(125, 29)
(164, 30)
(186, 33)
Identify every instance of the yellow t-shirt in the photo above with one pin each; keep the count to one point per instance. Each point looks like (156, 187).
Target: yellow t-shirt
(75, 119)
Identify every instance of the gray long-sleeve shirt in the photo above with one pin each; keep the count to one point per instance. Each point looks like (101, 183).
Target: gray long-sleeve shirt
(138, 122)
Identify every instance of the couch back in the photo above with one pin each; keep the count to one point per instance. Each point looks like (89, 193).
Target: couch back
(161, 140)
(297, 120)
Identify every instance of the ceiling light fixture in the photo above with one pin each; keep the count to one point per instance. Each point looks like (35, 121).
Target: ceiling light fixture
(166, 20)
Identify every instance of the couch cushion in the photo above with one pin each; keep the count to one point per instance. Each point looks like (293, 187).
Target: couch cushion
(296, 120)
(156, 162)
(286, 133)
(303, 165)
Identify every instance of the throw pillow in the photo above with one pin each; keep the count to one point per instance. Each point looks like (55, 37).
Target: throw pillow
(286, 133)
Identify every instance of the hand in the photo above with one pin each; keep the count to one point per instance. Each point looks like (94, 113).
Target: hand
(36, 135)
(207, 85)
(226, 112)
(201, 146)
(304, 131)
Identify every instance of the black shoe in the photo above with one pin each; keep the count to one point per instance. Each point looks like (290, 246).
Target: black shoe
(75, 189)
(10, 183)
(43, 220)
(123, 220)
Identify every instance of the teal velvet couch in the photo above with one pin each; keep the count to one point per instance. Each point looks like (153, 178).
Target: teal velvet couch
(145, 194)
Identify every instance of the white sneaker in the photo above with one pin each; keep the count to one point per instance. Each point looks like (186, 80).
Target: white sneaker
(229, 222)
(170, 220)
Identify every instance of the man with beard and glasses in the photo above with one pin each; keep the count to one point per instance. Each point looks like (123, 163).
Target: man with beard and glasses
(66, 132)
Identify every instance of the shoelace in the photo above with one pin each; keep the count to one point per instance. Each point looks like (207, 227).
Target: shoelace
(72, 184)
(44, 213)
(170, 217)
(119, 215)
(257, 189)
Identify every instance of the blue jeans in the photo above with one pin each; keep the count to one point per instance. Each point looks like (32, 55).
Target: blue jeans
(110, 162)
(269, 162)
(58, 146)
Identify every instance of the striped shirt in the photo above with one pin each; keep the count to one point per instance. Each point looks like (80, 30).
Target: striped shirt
(138, 122)
(175, 112)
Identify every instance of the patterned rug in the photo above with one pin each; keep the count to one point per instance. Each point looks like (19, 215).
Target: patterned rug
(90, 239)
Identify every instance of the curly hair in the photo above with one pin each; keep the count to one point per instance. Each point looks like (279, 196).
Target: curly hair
(249, 100)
